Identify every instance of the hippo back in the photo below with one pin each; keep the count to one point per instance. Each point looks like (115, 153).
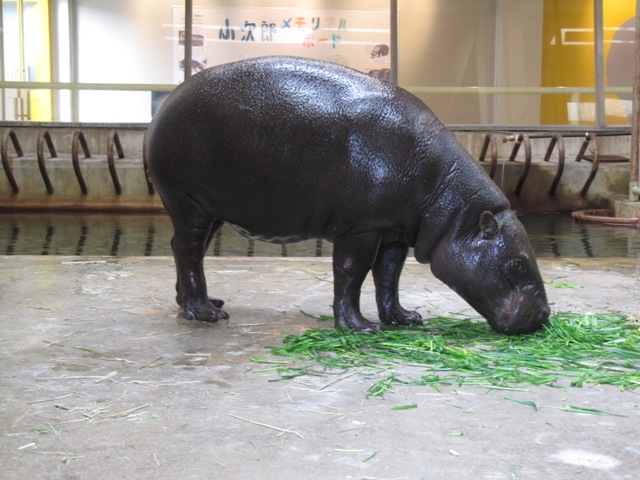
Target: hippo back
(320, 144)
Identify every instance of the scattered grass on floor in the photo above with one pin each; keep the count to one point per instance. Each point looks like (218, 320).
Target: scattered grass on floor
(575, 348)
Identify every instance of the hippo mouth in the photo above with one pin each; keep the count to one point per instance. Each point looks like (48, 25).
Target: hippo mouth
(521, 312)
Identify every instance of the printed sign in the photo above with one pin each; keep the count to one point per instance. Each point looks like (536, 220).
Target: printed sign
(356, 38)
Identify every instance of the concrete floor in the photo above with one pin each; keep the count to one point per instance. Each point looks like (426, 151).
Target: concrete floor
(101, 380)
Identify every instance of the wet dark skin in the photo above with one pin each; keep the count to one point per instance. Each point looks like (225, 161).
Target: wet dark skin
(286, 149)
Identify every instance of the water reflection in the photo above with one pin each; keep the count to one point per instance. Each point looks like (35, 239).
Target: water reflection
(560, 236)
(150, 235)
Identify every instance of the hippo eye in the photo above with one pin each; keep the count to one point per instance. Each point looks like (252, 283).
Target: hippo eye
(517, 265)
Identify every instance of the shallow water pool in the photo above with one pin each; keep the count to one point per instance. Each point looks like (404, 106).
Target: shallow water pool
(150, 234)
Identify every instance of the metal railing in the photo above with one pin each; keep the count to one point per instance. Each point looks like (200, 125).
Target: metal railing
(78, 144)
(490, 146)
(557, 140)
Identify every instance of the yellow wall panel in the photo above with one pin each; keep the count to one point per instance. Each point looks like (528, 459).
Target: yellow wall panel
(41, 100)
(568, 57)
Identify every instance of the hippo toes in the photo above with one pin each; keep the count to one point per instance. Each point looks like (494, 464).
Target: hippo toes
(209, 311)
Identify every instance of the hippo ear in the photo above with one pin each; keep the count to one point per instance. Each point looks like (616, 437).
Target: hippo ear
(489, 225)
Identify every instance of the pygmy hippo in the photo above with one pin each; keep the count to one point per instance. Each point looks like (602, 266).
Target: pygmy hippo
(287, 149)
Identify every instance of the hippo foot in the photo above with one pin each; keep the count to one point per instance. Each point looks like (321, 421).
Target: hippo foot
(211, 312)
(359, 325)
(400, 317)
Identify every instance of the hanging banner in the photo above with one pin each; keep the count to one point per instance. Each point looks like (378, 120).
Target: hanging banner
(356, 38)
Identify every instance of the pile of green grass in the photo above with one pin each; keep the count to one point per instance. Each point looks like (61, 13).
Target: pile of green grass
(572, 348)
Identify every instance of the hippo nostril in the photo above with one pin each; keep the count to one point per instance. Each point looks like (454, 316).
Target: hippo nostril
(523, 321)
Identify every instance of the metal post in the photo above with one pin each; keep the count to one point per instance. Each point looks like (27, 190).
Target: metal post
(393, 27)
(20, 12)
(599, 62)
(496, 59)
(188, 37)
(73, 59)
(634, 189)
(20, 112)
(54, 52)
(2, 77)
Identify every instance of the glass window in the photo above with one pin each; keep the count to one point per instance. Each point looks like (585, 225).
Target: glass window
(475, 62)
(26, 59)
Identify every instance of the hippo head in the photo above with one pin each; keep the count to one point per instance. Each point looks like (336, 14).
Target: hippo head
(492, 266)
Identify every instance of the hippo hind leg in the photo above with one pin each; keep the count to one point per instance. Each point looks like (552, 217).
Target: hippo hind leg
(189, 244)
(386, 276)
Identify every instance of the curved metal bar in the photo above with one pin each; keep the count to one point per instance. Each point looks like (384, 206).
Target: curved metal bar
(583, 148)
(589, 137)
(490, 140)
(78, 141)
(7, 164)
(145, 165)
(42, 138)
(114, 140)
(556, 140)
(522, 137)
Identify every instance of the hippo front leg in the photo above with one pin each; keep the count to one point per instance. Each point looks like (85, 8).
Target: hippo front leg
(386, 276)
(352, 260)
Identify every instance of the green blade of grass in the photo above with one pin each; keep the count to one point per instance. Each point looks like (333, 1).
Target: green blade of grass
(370, 457)
(322, 318)
(268, 361)
(562, 285)
(405, 407)
(588, 411)
(528, 403)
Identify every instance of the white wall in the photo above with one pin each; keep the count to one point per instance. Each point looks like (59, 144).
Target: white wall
(122, 41)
